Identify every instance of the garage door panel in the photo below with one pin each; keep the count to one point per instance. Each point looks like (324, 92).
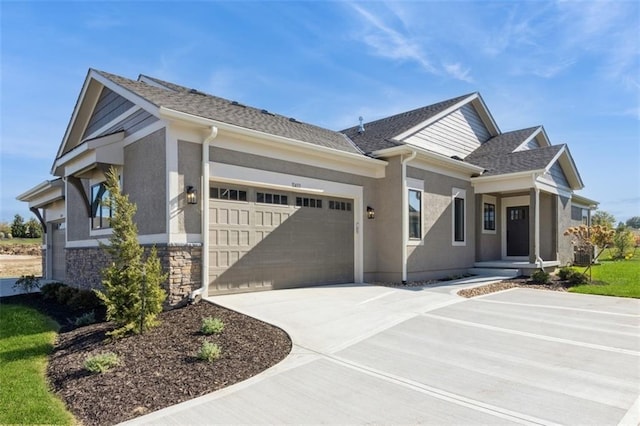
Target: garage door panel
(256, 246)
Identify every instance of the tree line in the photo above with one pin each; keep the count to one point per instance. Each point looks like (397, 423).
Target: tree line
(21, 229)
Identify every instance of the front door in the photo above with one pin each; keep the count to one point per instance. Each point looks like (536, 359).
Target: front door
(518, 231)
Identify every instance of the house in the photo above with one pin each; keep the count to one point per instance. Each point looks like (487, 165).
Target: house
(240, 199)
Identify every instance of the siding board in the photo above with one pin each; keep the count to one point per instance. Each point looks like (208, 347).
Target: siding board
(459, 133)
(109, 106)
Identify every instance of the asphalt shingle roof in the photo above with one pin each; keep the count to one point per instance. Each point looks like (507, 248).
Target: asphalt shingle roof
(185, 100)
(500, 145)
(379, 134)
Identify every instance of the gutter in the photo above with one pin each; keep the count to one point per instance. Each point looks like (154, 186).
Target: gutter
(405, 214)
(196, 295)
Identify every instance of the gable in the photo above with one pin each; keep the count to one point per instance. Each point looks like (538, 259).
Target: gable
(457, 134)
(109, 106)
(556, 174)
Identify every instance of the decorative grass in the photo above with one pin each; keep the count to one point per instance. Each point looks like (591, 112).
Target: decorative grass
(26, 337)
(613, 278)
(15, 241)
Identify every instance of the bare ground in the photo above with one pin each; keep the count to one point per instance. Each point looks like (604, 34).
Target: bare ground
(14, 266)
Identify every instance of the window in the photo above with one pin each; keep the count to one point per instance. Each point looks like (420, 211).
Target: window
(265, 197)
(228, 194)
(308, 202)
(415, 214)
(489, 216)
(339, 205)
(459, 216)
(101, 212)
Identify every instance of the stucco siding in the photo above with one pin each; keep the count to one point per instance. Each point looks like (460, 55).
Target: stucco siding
(77, 218)
(459, 133)
(548, 231)
(565, 248)
(109, 106)
(438, 256)
(368, 227)
(488, 245)
(189, 172)
(388, 224)
(144, 179)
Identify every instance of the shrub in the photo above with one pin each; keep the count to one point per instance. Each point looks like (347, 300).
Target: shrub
(84, 300)
(540, 277)
(565, 273)
(65, 293)
(576, 278)
(27, 283)
(623, 243)
(211, 325)
(209, 352)
(85, 319)
(101, 363)
(1, 235)
(49, 291)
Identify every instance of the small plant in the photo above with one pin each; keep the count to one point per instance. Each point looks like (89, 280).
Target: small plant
(540, 277)
(211, 325)
(65, 293)
(576, 278)
(101, 363)
(565, 273)
(209, 351)
(85, 319)
(84, 300)
(27, 283)
(49, 291)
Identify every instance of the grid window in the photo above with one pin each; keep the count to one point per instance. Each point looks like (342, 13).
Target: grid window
(268, 198)
(228, 194)
(340, 205)
(309, 202)
(489, 216)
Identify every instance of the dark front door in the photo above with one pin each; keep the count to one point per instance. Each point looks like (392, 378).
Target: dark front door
(518, 231)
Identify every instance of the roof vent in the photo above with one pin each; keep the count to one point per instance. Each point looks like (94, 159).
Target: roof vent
(236, 103)
(197, 92)
(361, 126)
(293, 120)
(264, 111)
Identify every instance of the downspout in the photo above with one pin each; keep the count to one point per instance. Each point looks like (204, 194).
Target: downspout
(204, 211)
(405, 214)
(539, 260)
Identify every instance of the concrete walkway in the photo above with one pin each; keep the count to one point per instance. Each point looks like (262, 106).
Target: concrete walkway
(366, 354)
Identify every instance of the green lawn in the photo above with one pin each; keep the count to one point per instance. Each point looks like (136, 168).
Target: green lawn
(613, 278)
(28, 241)
(26, 337)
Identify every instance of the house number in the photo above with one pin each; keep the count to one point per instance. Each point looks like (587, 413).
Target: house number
(296, 185)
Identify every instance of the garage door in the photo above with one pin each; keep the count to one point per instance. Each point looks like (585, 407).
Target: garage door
(263, 239)
(59, 265)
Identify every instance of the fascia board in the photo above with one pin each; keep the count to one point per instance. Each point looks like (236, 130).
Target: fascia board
(587, 202)
(567, 165)
(484, 110)
(429, 156)
(127, 94)
(435, 118)
(506, 177)
(293, 144)
(105, 140)
(82, 149)
(517, 182)
(34, 191)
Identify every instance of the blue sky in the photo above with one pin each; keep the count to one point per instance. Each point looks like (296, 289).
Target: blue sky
(573, 67)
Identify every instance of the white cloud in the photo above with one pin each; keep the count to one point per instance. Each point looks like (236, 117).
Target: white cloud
(456, 71)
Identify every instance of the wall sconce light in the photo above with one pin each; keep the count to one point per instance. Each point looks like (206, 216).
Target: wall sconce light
(371, 213)
(192, 195)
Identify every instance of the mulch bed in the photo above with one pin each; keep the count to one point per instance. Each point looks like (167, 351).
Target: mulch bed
(159, 368)
(554, 284)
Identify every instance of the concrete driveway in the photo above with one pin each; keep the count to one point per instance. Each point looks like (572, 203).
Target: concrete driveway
(365, 354)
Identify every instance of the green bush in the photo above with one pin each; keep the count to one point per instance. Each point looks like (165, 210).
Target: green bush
(27, 283)
(101, 363)
(576, 278)
(565, 273)
(540, 277)
(85, 319)
(211, 325)
(49, 291)
(209, 352)
(65, 293)
(84, 300)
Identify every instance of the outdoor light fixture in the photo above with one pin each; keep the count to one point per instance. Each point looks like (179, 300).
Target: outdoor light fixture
(371, 213)
(192, 195)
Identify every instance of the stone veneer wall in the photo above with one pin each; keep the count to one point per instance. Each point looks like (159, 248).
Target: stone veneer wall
(181, 261)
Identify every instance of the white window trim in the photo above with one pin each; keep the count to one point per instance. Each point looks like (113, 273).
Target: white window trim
(458, 193)
(416, 185)
(488, 199)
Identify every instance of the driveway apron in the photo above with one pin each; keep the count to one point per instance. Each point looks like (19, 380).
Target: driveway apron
(368, 354)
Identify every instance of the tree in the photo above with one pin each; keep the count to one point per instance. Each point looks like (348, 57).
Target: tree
(18, 228)
(634, 222)
(33, 228)
(603, 218)
(133, 291)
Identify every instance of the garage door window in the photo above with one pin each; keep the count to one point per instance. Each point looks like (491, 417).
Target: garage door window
(269, 198)
(308, 202)
(339, 205)
(228, 194)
